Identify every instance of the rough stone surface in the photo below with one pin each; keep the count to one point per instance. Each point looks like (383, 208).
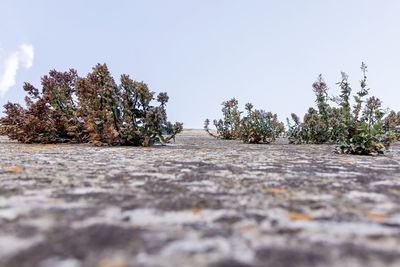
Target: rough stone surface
(197, 202)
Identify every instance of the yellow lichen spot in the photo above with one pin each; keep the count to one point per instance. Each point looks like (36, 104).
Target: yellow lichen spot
(179, 186)
(247, 228)
(348, 161)
(376, 216)
(298, 216)
(34, 167)
(393, 191)
(276, 190)
(196, 211)
(52, 200)
(14, 169)
(111, 262)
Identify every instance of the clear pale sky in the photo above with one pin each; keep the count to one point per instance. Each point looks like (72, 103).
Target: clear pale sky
(205, 51)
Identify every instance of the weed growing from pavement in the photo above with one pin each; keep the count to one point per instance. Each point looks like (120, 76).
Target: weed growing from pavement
(255, 127)
(92, 109)
(359, 127)
(96, 109)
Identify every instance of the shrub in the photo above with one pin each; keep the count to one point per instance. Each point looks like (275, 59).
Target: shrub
(358, 129)
(229, 126)
(294, 131)
(50, 116)
(93, 108)
(367, 136)
(256, 127)
(319, 125)
(392, 123)
(259, 126)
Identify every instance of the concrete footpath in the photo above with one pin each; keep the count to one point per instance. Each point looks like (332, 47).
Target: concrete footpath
(197, 202)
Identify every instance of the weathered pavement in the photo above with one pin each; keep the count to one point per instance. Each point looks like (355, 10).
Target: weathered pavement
(198, 202)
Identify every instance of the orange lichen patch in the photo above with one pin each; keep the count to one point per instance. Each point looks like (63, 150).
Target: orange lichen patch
(276, 190)
(125, 178)
(179, 186)
(14, 169)
(298, 216)
(247, 228)
(393, 191)
(376, 216)
(196, 211)
(34, 167)
(109, 262)
(348, 161)
(52, 200)
(378, 237)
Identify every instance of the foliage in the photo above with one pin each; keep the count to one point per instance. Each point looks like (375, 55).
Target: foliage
(358, 129)
(49, 116)
(392, 123)
(367, 136)
(320, 125)
(256, 127)
(229, 126)
(294, 131)
(259, 126)
(93, 108)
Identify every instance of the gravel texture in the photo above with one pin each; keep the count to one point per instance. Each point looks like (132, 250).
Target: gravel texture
(197, 202)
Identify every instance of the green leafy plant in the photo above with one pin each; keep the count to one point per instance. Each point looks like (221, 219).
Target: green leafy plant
(294, 131)
(319, 125)
(358, 129)
(257, 126)
(367, 136)
(91, 109)
(392, 123)
(229, 126)
(50, 116)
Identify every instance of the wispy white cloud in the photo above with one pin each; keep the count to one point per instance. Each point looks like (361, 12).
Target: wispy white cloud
(23, 57)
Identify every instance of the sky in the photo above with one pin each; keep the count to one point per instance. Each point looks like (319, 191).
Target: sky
(203, 52)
